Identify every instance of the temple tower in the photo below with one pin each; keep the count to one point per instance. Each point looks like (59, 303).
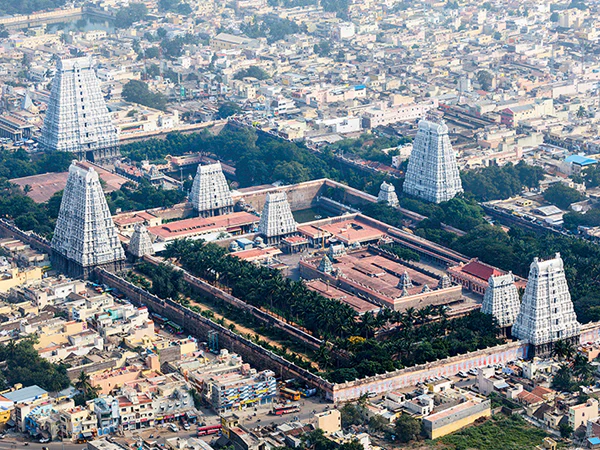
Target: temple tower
(501, 300)
(387, 194)
(432, 172)
(140, 243)
(77, 119)
(210, 194)
(546, 314)
(85, 235)
(276, 219)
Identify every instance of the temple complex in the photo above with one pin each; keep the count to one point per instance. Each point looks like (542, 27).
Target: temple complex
(85, 235)
(210, 194)
(432, 173)
(546, 314)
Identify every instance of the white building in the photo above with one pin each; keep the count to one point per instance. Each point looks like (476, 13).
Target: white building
(210, 194)
(77, 119)
(501, 299)
(546, 314)
(140, 243)
(85, 235)
(432, 173)
(276, 219)
(387, 194)
(382, 114)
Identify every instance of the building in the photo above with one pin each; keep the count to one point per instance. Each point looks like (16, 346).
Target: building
(85, 235)
(580, 414)
(237, 390)
(501, 299)
(276, 219)
(546, 314)
(210, 194)
(329, 421)
(77, 119)
(452, 419)
(432, 173)
(140, 243)
(387, 194)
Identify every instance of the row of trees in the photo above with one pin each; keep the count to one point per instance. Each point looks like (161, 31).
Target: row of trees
(370, 147)
(412, 337)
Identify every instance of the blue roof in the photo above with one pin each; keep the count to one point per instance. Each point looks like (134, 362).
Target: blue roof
(581, 160)
(27, 394)
(594, 440)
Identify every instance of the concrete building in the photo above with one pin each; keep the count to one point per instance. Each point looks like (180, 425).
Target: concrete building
(580, 414)
(501, 299)
(85, 235)
(210, 194)
(432, 173)
(237, 390)
(452, 419)
(387, 194)
(546, 314)
(276, 219)
(140, 243)
(77, 119)
(329, 421)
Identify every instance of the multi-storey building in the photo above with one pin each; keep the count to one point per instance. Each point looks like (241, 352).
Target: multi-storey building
(276, 219)
(432, 173)
(85, 236)
(546, 314)
(77, 119)
(140, 243)
(387, 194)
(235, 390)
(210, 194)
(501, 299)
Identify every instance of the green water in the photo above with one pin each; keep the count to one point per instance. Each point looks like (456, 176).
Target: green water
(310, 214)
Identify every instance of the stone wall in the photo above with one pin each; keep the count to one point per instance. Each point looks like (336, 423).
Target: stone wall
(74, 372)
(300, 196)
(199, 326)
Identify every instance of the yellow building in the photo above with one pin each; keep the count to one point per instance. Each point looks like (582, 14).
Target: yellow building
(580, 414)
(454, 418)
(329, 421)
(13, 277)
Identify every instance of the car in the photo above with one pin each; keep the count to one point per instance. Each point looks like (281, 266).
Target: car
(44, 440)
(186, 426)
(463, 374)
(174, 428)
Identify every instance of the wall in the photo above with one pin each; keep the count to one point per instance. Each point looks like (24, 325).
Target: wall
(300, 196)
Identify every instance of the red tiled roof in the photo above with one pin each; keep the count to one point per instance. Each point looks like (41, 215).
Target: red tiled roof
(480, 270)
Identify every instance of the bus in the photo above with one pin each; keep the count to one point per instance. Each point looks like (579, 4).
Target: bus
(290, 394)
(158, 319)
(174, 328)
(287, 409)
(211, 429)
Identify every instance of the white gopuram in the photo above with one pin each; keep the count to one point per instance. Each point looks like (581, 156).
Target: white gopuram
(387, 194)
(77, 119)
(210, 194)
(140, 243)
(85, 236)
(546, 314)
(432, 173)
(501, 299)
(276, 219)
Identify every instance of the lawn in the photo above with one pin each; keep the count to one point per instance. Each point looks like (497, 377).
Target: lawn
(500, 432)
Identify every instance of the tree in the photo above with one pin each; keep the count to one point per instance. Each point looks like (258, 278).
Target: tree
(351, 415)
(563, 349)
(406, 428)
(562, 195)
(563, 379)
(128, 15)
(137, 91)
(87, 391)
(228, 109)
(485, 80)
(565, 429)
(252, 72)
(581, 112)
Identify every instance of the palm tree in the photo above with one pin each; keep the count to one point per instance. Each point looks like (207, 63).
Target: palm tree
(85, 386)
(582, 368)
(563, 349)
(581, 112)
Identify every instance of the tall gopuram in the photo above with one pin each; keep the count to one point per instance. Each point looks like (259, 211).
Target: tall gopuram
(501, 300)
(432, 172)
(140, 243)
(210, 194)
(276, 219)
(387, 194)
(85, 236)
(546, 314)
(77, 119)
